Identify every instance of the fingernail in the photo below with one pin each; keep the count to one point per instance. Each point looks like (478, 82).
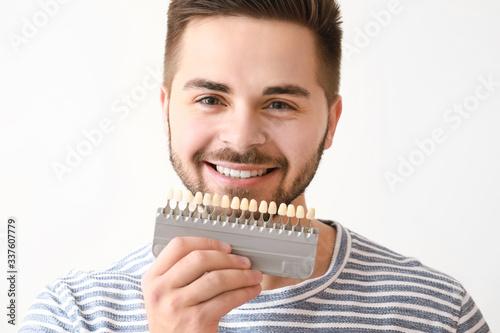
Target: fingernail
(257, 275)
(245, 260)
(224, 246)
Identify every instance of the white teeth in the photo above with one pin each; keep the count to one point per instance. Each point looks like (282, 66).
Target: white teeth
(240, 173)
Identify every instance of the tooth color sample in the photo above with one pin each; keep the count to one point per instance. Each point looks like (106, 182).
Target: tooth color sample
(263, 207)
(272, 207)
(188, 196)
(225, 201)
(300, 212)
(198, 198)
(310, 213)
(216, 200)
(178, 196)
(282, 209)
(253, 205)
(244, 204)
(207, 199)
(235, 204)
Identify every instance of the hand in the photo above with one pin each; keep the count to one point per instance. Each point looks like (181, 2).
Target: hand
(194, 282)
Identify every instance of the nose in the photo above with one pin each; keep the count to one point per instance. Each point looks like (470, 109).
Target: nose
(243, 130)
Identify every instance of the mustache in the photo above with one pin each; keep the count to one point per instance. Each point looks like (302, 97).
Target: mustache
(252, 156)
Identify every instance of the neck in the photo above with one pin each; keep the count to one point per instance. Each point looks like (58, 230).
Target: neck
(300, 201)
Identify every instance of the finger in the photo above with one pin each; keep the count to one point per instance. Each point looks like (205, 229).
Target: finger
(197, 263)
(179, 247)
(222, 304)
(218, 282)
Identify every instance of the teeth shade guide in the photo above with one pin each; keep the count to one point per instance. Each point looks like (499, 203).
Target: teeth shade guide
(252, 209)
(170, 196)
(310, 216)
(188, 198)
(281, 248)
(216, 200)
(178, 200)
(235, 205)
(224, 204)
(205, 206)
(290, 212)
(253, 206)
(178, 195)
(262, 211)
(198, 198)
(281, 213)
(207, 200)
(192, 208)
(243, 207)
(272, 210)
(299, 215)
(215, 204)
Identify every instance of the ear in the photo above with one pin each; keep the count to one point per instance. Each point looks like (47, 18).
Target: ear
(165, 103)
(334, 116)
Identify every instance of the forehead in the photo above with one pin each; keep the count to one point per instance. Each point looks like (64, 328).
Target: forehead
(242, 51)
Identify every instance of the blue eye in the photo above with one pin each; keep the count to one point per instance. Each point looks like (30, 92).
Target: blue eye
(210, 100)
(278, 105)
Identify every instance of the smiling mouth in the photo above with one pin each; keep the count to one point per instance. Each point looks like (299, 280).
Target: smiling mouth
(241, 174)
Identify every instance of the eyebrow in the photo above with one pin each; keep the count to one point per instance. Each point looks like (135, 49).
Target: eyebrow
(287, 89)
(207, 84)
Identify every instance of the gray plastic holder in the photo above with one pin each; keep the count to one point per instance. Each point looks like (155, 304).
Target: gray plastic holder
(272, 251)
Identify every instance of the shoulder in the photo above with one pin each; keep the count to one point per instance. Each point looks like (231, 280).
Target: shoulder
(376, 275)
(369, 262)
(91, 300)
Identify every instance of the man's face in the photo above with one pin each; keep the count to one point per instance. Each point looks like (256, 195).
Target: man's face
(246, 114)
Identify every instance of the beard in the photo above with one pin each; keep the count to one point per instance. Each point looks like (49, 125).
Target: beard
(282, 194)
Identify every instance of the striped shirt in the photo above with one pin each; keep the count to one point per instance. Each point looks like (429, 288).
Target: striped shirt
(367, 288)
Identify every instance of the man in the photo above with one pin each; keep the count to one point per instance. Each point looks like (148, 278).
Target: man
(253, 86)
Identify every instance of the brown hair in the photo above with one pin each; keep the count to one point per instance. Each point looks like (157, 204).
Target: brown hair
(322, 17)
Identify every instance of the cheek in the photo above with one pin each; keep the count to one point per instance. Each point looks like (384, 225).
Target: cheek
(188, 134)
(298, 142)
(190, 138)
(299, 151)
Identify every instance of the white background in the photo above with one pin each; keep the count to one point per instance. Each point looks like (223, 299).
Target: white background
(397, 85)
